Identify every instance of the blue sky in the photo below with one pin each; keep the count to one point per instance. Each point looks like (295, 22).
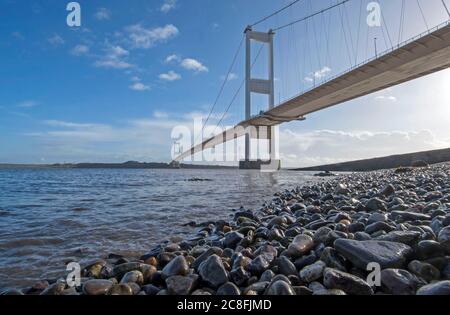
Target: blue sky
(112, 89)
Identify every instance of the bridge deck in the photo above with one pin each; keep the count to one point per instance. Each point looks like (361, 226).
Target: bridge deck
(420, 56)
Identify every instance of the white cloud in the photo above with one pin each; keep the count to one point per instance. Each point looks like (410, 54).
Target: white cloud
(103, 14)
(129, 140)
(117, 52)
(386, 97)
(160, 115)
(79, 50)
(168, 5)
(231, 77)
(322, 72)
(194, 65)
(138, 86)
(170, 76)
(135, 79)
(317, 75)
(172, 58)
(114, 58)
(334, 146)
(56, 40)
(27, 104)
(113, 64)
(140, 37)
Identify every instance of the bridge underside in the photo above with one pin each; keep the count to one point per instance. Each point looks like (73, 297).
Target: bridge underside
(422, 56)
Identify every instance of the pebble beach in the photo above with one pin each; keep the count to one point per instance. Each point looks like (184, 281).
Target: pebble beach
(309, 240)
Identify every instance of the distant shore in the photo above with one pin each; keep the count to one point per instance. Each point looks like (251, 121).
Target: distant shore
(388, 162)
(126, 165)
(366, 165)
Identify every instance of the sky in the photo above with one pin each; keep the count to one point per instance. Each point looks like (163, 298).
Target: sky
(113, 89)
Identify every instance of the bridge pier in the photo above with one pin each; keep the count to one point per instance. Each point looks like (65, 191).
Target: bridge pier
(260, 86)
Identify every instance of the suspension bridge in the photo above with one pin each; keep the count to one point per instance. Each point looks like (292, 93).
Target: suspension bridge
(419, 55)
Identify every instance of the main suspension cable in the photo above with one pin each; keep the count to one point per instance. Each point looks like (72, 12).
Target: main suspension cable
(310, 16)
(275, 13)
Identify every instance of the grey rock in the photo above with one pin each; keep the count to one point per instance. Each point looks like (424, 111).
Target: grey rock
(437, 288)
(424, 270)
(285, 266)
(379, 226)
(240, 276)
(120, 289)
(258, 265)
(400, 282)
(350, 284)
(301, 245)
(180, 285)
(176, 267)
(97, 287)
(429, 249)
(267, 276)
(376, 204)
(388, 190)
(406, 237)
(312, 272)
(133, 277)
(210, 251)
(232, 239)
(361, 253)
(333, 259)
(377, 217)
(280, 288)
(122, 269)
(150, 289)
(213, 272)
(55, 289)
(444, 238)
(228, 289)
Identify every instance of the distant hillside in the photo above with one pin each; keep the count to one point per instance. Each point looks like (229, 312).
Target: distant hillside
(126, 165)
(431, 157)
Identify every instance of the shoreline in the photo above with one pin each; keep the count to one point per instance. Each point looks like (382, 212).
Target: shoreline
(315, 239)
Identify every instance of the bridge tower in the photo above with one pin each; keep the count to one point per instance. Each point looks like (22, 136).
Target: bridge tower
(265, 87)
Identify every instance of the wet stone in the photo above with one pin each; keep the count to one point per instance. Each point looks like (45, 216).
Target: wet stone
(424, 270)
(312, 272)
(350, 284)
(54, 289)
(361, 253)
(437, 288)
(228, 289)
(240, 276)
(177, 267)
(133, 277)
(301, 245)
(180, 285)
(232, 239)
(213, 272)
(120, 289)
(258, 265)
(429, 249)
(400, 282)
(280, 288)
(286, 267)
(97, 287)
(150, 289)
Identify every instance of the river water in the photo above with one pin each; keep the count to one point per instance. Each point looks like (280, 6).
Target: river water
(51, 216)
